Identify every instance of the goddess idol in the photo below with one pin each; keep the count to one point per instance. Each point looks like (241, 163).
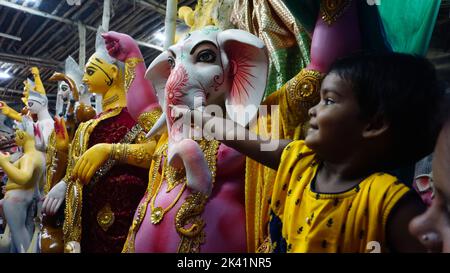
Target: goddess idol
(107, 164)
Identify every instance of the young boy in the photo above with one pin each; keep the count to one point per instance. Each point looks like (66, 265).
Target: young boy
(331, 193)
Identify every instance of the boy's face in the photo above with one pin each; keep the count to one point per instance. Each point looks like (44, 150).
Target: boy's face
(335, 125)
(432, 228)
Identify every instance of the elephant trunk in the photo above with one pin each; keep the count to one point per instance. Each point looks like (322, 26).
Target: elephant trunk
(188, 154)
(184, 152)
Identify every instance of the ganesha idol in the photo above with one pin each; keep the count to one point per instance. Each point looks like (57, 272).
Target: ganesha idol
(195, 200)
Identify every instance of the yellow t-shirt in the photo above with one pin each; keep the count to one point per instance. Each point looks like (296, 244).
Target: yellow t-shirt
(303, 220)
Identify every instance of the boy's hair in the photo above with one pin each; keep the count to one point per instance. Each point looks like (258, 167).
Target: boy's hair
(404, 90)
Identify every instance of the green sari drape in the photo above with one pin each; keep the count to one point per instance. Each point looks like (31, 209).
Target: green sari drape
(394, 25)
(409, 24)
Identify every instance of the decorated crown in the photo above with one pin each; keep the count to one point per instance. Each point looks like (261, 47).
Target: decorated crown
(39, 86)
(28, 86)
(73, 71)
(100, 47)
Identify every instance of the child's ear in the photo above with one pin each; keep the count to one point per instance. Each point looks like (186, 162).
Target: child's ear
(376, 127)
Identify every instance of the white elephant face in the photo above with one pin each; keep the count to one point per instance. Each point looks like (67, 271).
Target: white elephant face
(197, 70)
(226, 68)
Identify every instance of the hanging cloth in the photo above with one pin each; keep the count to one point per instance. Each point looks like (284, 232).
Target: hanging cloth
(409, 24)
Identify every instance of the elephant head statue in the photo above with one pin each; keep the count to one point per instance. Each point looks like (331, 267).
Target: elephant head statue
(208, 67)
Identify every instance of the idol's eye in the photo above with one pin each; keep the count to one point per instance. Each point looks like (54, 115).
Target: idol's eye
(171, 62)
(64, 88)
(90, 71)
(206, 56)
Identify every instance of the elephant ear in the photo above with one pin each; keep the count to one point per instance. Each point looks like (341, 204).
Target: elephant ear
(248, 71)
(157, 73)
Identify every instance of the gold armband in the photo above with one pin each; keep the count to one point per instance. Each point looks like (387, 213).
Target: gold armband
(130, 71)
(119, 152)
(140, 155)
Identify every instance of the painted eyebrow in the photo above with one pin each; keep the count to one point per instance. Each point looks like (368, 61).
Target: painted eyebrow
(98, 60)
(326, 91)
(107, 75)
(202, 43)
(173, 53)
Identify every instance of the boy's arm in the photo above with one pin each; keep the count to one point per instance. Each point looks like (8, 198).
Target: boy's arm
(265, 151)
(397, 233)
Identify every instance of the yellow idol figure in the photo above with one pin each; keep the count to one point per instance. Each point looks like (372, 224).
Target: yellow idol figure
(108, 162)
(22, 189)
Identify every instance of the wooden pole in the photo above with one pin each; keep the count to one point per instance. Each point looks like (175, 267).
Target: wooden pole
(106, 14)
(10, 36)
(82, 51)
(170, 23)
